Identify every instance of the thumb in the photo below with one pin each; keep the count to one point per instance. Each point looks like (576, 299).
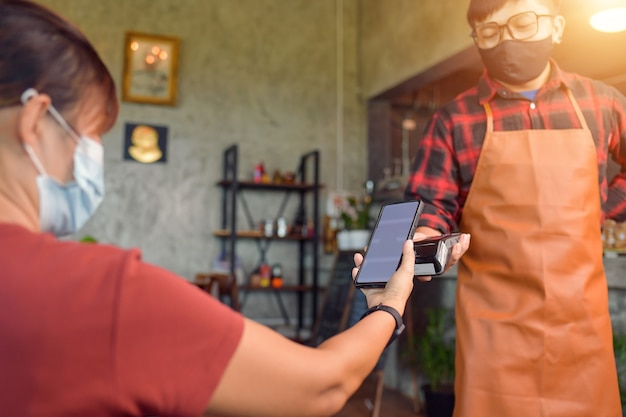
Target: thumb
(408, 257)
(400, 285)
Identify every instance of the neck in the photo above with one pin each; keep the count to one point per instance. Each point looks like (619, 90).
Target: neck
(18, 190)
(533, 84)
(16, 203)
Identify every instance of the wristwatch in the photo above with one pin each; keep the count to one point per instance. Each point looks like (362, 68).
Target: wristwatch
(397, 317)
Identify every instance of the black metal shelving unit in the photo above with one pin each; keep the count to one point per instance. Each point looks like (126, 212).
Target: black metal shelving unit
(306, 188)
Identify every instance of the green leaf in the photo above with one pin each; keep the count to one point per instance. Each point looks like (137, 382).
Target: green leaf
(88, 239)
(434, 350)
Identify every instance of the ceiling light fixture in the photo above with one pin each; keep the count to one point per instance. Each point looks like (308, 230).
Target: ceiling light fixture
(610, 17)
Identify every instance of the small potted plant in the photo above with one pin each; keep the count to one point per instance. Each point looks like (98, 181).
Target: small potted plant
(354, 212)
(433, 354)
(619, 347)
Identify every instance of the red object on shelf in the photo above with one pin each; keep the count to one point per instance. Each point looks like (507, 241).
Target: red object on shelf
(259, 171)
(265, 272)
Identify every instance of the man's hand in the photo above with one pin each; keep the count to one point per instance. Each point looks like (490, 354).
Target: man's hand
(458, 249)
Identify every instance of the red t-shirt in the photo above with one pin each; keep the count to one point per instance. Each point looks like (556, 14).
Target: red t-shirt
(91, 330)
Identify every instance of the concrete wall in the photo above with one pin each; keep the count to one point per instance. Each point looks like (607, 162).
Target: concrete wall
(259, 73)
(402, 38)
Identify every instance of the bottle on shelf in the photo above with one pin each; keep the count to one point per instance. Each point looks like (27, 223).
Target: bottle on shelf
(259, 172)
(277, 276)
(266, 275)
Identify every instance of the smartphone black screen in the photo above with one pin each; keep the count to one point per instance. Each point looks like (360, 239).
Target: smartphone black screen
(395, 224)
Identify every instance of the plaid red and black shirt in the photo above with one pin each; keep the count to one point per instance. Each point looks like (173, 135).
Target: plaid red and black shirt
(444, 166)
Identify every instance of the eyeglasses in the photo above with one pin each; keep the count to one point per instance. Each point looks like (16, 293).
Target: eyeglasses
(521, 26)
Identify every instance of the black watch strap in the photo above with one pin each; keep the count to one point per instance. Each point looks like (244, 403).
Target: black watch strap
(398, 318)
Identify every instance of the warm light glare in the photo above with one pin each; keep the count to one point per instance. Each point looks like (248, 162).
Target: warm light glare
(134, 46)
(609, 20)
(409, 124)
(163, 55)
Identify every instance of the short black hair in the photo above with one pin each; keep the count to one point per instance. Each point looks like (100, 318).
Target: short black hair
(42, 50)
(479, 10)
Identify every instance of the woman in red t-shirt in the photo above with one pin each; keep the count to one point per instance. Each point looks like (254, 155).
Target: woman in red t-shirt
(91, 329)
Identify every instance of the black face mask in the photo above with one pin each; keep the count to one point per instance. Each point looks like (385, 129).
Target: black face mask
(517, 62)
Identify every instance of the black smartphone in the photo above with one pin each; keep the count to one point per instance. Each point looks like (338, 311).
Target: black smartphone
(432, 254)
(395, 224)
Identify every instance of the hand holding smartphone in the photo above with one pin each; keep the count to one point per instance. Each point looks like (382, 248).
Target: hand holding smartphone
(395, 224)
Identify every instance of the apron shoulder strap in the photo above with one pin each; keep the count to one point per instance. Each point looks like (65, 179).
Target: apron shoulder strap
(489, 117)
(579, 112)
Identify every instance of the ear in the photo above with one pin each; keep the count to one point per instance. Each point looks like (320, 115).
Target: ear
(558, 28)
(33, 113)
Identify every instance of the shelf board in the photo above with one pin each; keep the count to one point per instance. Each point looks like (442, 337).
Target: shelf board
(257, 234)
(249, 185)
(292, 288)
(614, 253)
(615, 250)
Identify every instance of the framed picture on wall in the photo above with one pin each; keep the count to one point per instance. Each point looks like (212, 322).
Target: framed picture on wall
(150, 69)
(145, 143)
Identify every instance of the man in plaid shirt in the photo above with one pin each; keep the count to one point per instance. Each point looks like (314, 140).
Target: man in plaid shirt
(520, 163)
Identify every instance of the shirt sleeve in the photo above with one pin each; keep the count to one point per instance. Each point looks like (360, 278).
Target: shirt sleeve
(173, 341)
(615, 207)
(433, 177)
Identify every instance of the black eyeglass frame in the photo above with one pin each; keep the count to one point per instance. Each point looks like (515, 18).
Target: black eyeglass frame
(501, 28)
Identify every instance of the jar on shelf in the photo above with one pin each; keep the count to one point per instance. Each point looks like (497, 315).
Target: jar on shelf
(281, 227)
(608, 234)
(620, 236)
(268, 228)
(277, 276)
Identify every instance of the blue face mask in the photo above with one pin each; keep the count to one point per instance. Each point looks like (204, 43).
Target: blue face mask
(65, 208)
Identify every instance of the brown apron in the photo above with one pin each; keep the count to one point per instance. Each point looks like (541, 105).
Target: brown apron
(533, 327)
